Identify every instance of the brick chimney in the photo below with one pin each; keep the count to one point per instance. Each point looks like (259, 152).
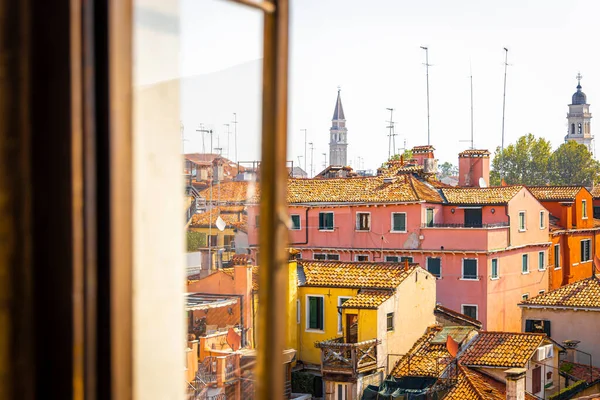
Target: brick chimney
(515, 383)
(420, 153)
(472, 165)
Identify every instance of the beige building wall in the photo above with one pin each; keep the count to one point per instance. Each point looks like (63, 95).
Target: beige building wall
(413, 306)
(571, 325)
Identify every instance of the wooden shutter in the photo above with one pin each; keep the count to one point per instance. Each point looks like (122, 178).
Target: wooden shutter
(537, 380)
(529, 325)
(547, 328)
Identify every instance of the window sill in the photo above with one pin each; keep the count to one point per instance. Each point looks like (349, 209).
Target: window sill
(557, 268)
(541, 269)
(525, 273)
(585, 262)
(495, 279)
(326, 230)
(314, 331)
(522, 230)
(397, 231)
(295, 229)
(468, 279)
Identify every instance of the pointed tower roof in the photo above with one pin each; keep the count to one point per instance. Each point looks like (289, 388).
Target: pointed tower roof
(579, 97)
(338, 113)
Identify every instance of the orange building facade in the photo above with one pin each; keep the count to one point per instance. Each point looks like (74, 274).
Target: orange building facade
(573, 231)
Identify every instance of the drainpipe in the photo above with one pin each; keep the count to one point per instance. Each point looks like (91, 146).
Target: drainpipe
(306, 219)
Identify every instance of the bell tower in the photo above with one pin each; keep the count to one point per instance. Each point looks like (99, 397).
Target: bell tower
(579, 118)
(338, 141)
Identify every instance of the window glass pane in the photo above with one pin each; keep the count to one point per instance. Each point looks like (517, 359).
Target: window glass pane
(434, 266)
(494, 268)
(391, 258)
(406, 258)
(333, 257)
(390, 321)
(525, 263)
(399, 221)
(470, 311)
(541, 262)
(556, 256)
(583, 209)
(295, 222)
(319, 256)
(469, 269)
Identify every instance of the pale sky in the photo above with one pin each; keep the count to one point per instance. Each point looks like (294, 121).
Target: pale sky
(372, 50)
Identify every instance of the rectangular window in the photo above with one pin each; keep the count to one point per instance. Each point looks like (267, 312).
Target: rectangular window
(390, 321)
(297, 311)
(525, 296)
(340, 392)
(556, 256)
(434, 266)
(522, 226)
(541, 292)
(469, 310)
(325, 221)
(585, 250)
(257, 221)
(362, 257)
(398, 222)
(525, 264)
(319, 256)
(473, 217)
(537, 326)
(494, 268)
(429, 217)
(584, 209)
(542, 220)
(341, 300)
(315, 310)
(469, 270)
(363, 221)
(391, 258)
(541, 261)
(333, 257)
(295, 222)
(406, 258)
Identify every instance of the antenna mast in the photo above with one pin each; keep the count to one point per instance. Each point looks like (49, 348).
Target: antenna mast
(227, 125)
(391, 135)
(312, 148)
(427, 76)
(235, 134)
(471, 77)
(504, 95)
(305, 170)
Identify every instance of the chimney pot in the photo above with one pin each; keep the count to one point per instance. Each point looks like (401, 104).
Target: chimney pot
(515, 383)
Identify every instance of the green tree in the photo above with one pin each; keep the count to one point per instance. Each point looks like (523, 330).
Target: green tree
(447, 169)
(572, 164)
(195, 240)
(525, 162)
(407, 155)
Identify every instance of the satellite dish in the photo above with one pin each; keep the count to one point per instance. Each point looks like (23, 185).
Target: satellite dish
(220, 224)
(482, 183)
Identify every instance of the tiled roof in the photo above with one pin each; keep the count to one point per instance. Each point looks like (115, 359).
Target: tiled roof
(474, 153)
(596, 192)
(402, 188)
(502, 349)
(480, 196)
(232, 220)
(455, 315)
(422, 149)
(368, 299)
(581, 372)
(584, 294)
(424, 358)
(555, 193)
(229, 192)
(347, 274)
(476, 385)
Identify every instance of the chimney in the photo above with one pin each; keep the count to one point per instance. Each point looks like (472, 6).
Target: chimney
(571, 348)
(421, 153)
(567, 215)
(473, 165)
(515, 383)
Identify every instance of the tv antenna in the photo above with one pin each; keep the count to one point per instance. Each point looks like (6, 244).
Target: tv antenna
(325, 162)
(235, 122)
(305, 170)
(471, 79)
(504, 94)
(391, 135)
(312, 149)
(427, 65)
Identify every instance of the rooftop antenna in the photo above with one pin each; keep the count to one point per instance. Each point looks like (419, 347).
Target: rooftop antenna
(391, 135)
(305, 170)
(325, 162)
(427, 76)
(471, 79)
(203, 131)
(312, 149)
(183, 139)
(227, 125)
(235, 122)
(504, 94)
(299, 164)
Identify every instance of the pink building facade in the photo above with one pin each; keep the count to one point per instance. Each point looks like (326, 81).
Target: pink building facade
(487, 246)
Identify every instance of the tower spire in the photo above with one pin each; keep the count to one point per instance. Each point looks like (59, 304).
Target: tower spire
(338, 143)
(579, 77)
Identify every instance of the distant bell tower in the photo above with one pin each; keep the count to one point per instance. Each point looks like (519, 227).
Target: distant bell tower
(579, 118)
(338, 141)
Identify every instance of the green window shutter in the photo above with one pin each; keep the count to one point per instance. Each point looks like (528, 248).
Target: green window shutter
(399, 222)
(320, 313)
(312, 314)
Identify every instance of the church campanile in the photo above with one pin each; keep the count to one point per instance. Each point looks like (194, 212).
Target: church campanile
(579, 117)
(338, 140)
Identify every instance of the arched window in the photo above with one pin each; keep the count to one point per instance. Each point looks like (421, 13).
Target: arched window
(579, 128)
(572, 129)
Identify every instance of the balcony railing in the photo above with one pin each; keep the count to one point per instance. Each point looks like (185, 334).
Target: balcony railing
(348, 358)
(207, 370)
(471, 225)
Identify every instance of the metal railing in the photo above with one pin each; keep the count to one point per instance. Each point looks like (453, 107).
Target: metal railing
(207, 370)
(468, 225)
(348, 358)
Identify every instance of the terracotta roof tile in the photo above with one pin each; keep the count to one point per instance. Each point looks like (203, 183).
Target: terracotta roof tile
(424, 358)
(422, 149)
(555, 193)
(201, 220)
(377, 189)
(456, 315)
(502, 349)
(368, 299)
(581, 372)
(476, 385)
(372, 275)
(596, 192)
(231, 272)
(480, 196)
(474, 152)
(230, 192)
(584, 293)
